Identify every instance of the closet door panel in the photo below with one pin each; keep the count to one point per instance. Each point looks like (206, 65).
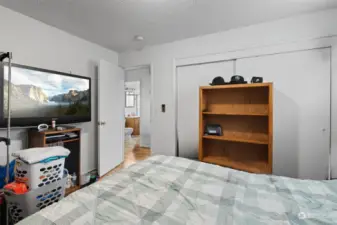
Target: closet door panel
(301, 109)
(189, 78)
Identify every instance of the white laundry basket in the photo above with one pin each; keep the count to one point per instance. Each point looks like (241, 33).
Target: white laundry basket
(39, 174)
(24, 205)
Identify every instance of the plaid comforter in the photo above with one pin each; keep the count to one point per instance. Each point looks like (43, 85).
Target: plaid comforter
(176, 191)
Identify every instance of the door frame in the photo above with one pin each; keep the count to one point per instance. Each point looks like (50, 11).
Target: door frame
(150, 66)
(304, 45)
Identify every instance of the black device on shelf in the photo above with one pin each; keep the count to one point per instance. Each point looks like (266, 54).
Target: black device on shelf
(56, 138)
(213, 129)
(257, 80)
(71, 135)
(40, 95)
(61, 137)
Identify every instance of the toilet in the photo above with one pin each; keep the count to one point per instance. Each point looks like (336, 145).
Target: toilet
(128, 132)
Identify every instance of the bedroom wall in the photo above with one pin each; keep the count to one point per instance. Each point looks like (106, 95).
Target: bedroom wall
(314, 26)
(36, 44)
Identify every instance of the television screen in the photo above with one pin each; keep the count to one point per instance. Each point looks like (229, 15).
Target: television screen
(39, 94)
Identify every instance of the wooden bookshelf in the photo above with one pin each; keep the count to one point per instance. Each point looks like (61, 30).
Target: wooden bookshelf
(245, 114)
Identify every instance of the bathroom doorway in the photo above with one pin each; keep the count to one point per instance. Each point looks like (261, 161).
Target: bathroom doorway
(137, 108)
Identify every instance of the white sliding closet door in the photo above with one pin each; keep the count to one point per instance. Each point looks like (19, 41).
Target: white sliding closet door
(189, 78)
(301, 109)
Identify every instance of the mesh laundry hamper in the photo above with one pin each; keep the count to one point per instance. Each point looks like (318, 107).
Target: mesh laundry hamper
(39, 174)
(21, 206)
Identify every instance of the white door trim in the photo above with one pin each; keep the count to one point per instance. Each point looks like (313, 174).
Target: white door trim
(152, 111)
(258, 51)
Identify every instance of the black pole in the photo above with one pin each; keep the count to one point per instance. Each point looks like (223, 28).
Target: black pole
(4, 56)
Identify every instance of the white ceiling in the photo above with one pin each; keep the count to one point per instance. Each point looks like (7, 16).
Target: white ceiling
(114, 23)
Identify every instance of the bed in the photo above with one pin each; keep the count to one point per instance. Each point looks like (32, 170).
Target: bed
(176, 191)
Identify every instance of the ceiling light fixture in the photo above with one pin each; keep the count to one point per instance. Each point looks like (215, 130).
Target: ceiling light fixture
(139, 38)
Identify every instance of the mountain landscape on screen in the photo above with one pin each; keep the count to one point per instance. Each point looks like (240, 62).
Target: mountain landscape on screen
(39, 94)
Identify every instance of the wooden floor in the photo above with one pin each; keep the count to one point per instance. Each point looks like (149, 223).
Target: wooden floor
(131, 157)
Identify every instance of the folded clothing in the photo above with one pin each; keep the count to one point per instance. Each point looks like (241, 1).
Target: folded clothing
(35, 155)
(17, 188)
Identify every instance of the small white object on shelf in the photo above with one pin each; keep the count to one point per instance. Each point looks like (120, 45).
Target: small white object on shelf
(74, 179)
(69, 181)
(42, 127)
(53, 123)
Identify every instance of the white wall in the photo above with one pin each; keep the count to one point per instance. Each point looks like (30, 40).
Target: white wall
(130, 111)
(143, 75)
(36, 44)
(291, 31)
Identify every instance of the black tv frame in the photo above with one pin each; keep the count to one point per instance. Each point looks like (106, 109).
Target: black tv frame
(31, 121)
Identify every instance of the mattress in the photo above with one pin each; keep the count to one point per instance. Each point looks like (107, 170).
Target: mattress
(177, 191)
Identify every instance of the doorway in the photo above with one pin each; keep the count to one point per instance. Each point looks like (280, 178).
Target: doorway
(137, 108)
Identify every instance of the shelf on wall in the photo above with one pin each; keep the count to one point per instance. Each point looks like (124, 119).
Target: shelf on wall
(237, 139)
(234, 86)
(235, 113)
(64, 141)
(249, 166)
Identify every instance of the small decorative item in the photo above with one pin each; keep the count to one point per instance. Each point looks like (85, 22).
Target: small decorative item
(42, 127)
(60, 128)
(53, 123)
(237, 79)
(218, 81)
(74, 179)
(69, 181)
(257, 80)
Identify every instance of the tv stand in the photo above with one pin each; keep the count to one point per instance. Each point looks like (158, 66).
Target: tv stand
(53, 137)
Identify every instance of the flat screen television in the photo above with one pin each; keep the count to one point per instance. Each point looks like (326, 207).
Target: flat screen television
(39, 95)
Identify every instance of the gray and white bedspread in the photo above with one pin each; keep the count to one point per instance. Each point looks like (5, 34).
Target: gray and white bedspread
(176, 191)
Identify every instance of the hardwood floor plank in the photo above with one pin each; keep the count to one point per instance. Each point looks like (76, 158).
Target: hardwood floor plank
(131, 157)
